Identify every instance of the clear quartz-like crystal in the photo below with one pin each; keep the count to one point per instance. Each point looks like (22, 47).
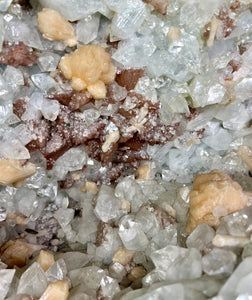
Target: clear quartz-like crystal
(33, 281)
(200, 237)
(48, 61)
(87, 28)
(219, 262)
(175, 263)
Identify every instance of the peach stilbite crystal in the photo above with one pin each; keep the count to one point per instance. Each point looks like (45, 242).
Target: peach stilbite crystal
(89, 67)
(212, 190)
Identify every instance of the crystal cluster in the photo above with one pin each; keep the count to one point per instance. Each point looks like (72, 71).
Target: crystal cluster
(125, 149)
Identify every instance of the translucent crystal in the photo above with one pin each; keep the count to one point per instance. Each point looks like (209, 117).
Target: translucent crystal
(6, 277)
(109, 287)
(243, 89)
(23, 134)
(74, 260)
(146, 88)
(135, 52)
(132, 235)
(247, 251)
(117, 271)
(116, 5)
(50, 109)
(108, 206)
(5, 4)
(90, 115)
(87, 28)
(238, 282)
(214, 141)
(200, 237)
(64, 216)
(130, 190)
(48, 61)
(91, 276)
(26, 201)
(175, 263)
(74, 10)
(118, 92)
(22, 30)
(33, 281)
(14, 77)
(72, 160)
(175, 102)
(43, 81)
(57, 271)
(238, 223)
(151, 189)
(219, 262)
(109, 246)
(126, 23)
(1, 31)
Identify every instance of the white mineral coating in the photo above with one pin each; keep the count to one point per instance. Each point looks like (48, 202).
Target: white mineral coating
(213, 141)
(176, 263)
(219, 262)
(72, 160)
(26, 201)
(17, 30)
(200, 237)
(126, 22)
(132, 235)
(239, 282)
(238, 224)
(57, 271)
(6, 277)
(108, 206)
(91, 276)
(109, 287)
(48, 61)
(75, 9)
(43, 81)
(87, 28)
(131, 191)
(33, 281)
(73, 259)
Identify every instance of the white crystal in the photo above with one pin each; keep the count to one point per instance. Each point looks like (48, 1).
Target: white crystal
(200, 237)
(48, 61)
(4, 4)
(57, 271)
(109, 287)
(219, 262)
(19, 30)
(214, 141)
(175, 263)
(72, 160)
(74, 260)
(237, 282)
(14, 77)
(75, 9)
(26, 201)
(50, 109)
(87, 28)
(64, 216)
(6, 277)
(33, 281)
(132, 235)
(43, 81)
(108, 206)
(91, 276)
(126, 22)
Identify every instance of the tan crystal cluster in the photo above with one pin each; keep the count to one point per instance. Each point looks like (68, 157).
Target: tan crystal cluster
(214, 195)
(89, 67)
(55, 27)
